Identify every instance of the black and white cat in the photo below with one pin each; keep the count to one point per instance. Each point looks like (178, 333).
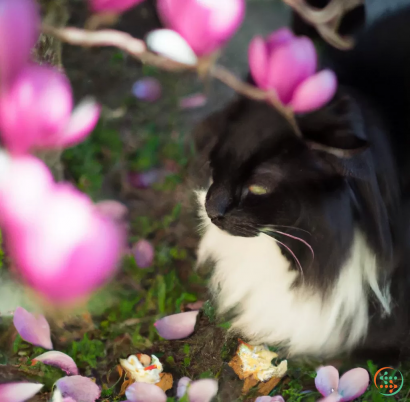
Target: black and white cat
(310, 238)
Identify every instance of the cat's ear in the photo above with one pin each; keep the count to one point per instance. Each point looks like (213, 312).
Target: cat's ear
(207, 133)
(337, 134)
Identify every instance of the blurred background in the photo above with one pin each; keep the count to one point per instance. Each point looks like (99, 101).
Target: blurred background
(142, 155)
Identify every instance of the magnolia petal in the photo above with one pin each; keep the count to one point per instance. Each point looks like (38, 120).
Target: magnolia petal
(83, 120)
(335, 397)
(81, 389)
(144, 392)
(258, 61)
(24, 186)
(144, 180)
(170, 44)
(353, 384)
(279, 37)
(277, 398)
(19, 20)
(206, 25)
(18, 391)
(177, 326)
(147, 89)
(314, 92)
(202, 390)
(57, 397)
(182, 386)
(32, 329)
(327, 380)
(193, 101)
(43, 95)
(112, 209)
(143, 253)
(60, 360)
(290, 65)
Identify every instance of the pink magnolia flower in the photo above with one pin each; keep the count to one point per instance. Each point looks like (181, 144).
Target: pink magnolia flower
(287, 64)
(61, 244)
(19, 31)
(36, 111)
(351, 385)
(24, 183)
(117, 6)
(204, 25)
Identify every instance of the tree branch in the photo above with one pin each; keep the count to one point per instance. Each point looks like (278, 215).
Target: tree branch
(328, 19)
(138, 50)
(112, 38)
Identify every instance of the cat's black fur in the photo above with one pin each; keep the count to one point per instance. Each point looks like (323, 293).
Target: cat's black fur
(321, 195)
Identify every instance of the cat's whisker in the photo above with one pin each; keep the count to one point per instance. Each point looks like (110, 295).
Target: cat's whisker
(294, 256)
(299, 239)
(288, 227)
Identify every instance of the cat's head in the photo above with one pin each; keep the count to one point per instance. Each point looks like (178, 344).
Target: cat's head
(264, 175)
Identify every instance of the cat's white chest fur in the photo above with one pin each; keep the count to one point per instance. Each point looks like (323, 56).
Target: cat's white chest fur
(252, 276)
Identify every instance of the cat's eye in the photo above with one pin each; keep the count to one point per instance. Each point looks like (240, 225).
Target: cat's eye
(258, 190)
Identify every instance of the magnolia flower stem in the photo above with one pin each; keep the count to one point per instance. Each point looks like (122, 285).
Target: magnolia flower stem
(327, 20)
(137, 49)
(250, 91)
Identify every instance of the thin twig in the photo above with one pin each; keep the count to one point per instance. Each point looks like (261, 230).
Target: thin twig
(138, 50)
(328, 19)
(110, 37)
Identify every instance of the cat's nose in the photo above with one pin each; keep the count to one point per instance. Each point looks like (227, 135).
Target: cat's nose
(217, 203)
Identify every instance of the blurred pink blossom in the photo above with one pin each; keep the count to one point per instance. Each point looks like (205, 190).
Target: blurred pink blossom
(147, 89)
(19, 31)
(117, 6)
(287, 64)
(143, 253)
(144, 180)
(36, 111)
(112, 209)
(193, 101)
(18, 391)
(351, 385)
(25, 182)
(61, 244)
(177, 326)
(206, 25)
(32, 329)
